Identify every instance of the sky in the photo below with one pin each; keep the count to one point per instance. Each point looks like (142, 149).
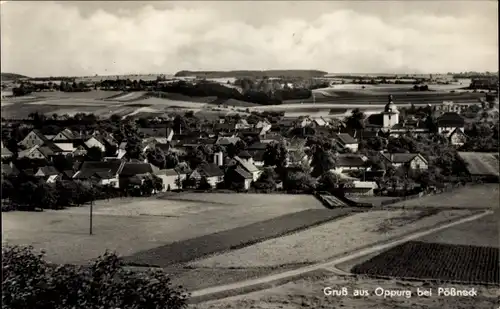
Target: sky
(128, 37)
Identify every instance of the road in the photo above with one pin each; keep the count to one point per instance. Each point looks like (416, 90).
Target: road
(332, 263)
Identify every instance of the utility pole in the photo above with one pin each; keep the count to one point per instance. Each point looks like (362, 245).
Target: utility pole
(91, 209)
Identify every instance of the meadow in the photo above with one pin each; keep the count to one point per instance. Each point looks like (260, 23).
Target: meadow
(131, 225)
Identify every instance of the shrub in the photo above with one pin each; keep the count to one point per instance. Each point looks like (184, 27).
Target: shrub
(30, 282)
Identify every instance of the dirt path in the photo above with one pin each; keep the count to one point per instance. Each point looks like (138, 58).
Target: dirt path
(328, 265)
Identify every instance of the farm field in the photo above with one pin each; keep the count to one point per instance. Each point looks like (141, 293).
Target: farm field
(308, 293)
(195, 248)
(477, 196)
(155, 222)
(332, 239)
(482, 232)
(422, 260)
(481, 163)
(91, 95)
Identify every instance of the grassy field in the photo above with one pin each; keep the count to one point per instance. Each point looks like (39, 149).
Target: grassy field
(482, 232)
(195, 248)
(308, 293)
(331, 239)
(133, 225)
(422, 260)
(478, 196)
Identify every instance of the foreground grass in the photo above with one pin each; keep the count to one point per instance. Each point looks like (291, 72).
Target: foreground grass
(331, 239)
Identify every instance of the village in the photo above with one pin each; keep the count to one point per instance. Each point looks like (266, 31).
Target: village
(391, 153)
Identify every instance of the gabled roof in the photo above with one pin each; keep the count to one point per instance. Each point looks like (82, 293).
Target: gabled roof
(153, 132)
(244, 154)
(223, 140)
(258, 155)
(350, 160)
(70, 135)
(450, 119)
(257, 146)
(296, 155)
(29, 151)
(401, 157)
(136, 168)
(249, 167)
(6, 152)
(209, 170)
(9, 170)
(240, 171)
(48, 170)
(88, 168)
(40, 135)
(68, 173)
(346, 139)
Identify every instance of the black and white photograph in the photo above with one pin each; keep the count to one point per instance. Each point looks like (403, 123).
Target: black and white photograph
(250, 154)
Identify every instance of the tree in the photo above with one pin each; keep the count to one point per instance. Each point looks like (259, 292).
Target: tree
(158, 184)
(94, 154)
(275, 155)
(298, 182)
(356, 121)
(178, 182)
(28, 281)
(134, 147)
(323, 160)
(267, 180)
(204, 184)
(156, 156)
(147, 186)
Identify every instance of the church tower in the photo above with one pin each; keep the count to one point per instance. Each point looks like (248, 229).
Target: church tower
(390, 114)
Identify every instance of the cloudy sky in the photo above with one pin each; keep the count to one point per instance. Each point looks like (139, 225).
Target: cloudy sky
(87, 38)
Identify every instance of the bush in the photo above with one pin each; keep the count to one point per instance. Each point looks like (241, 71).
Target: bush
(30, 282)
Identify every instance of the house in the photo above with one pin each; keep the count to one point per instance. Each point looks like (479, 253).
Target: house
(347, 142)
(457, 137)
(34, 138)
(9, 170)
(263, 125)
(96, 141)
(36, 152)
(320, 122)
(413, 161)
(225, 141)
(448, 122)
(258, 157)
(66, 135)
(242, 124)
(240, 178)
(79, 151)
(46, 171)
(248, 166)
(170, 178)
(212, 173)
(358, 187)
(349, 162)
(6, 153)
(104, 173)
(134, 173)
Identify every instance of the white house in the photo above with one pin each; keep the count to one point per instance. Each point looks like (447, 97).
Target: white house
(347, 141)
(413, 161)
(94, 141)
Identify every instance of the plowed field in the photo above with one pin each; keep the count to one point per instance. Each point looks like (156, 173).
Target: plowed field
(420, 260)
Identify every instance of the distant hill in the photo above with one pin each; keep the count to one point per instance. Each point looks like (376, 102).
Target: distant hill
(241, 74)
(11, 76)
